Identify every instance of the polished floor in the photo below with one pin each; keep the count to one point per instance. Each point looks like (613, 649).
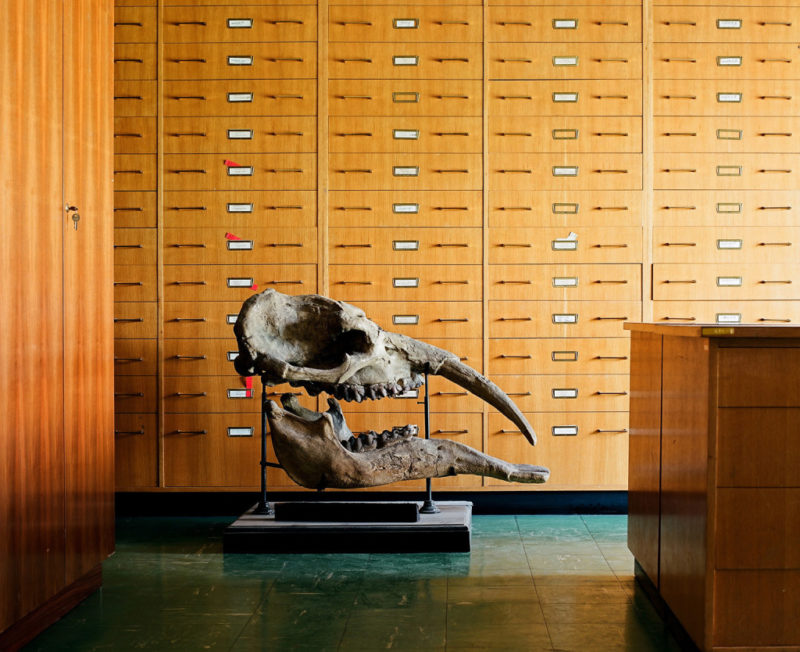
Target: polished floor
(530, 583)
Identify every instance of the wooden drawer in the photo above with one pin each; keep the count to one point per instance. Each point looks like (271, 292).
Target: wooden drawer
(561, 61)
(725, 245)
(570, 282)
(134, 209)
(135, 394)
(245, 61)
(700, 97)
(529, 208)
(727, 312)
(760, 377)
(726, 25)
(198, 451)
(135, 172)
(559, 356)
(135, 451)
(375, 97)
(405, 24)
(726, 171)
(195, 357)
(724, 281)
(417, 61)
(561, 319)
(250, 172)
(229, 282)
(449, 208)
(227, 97)
(560, 172)
(135, 283)
(355, 283)
(599, 24)
(134, 61)
(405, 172)
(236, 135)
(240, 209)
(228, 393)
(135, 319)
(219, 25)
(752, 134)
(444, 397)
(135, 24)
(726, 208)
(135, 135)
(434, 134)
(204, 319)
(393, 246)
(567, 135)
(555, 245)
(468, 351)
(579, 393)
(595, 457)
(725, 61)
(427, 320)
(135, 247)
(135, 98)
(565, 98)
(256, 246)
(135, 357)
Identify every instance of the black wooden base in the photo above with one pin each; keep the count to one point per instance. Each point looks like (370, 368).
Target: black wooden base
(348, 512)
(448, 531)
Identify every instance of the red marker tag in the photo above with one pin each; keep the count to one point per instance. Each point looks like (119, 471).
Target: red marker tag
(230, 236)
(254, 286)
(248, 382)
(231, 164)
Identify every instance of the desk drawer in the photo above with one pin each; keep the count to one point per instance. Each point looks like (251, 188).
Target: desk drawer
(135, 98)
(599, 24)
(355, 283)
(135, 357)
(135, 247)
(406, 61)
(757, 377)
(724, 281)
(405, 172)
(569, 282)
(230, 282)
(727, 312)
(227, 97)
(427, 320)
(135, 283)
(443, 97)
(135, 394)
(726, 171)
(250, 172)
(449, 208)
(562, 61)
(579, 393)
(210, 357)
(434, 134)
(559, 356)
(134, 172)
(135, 448)
(390, 246)
(405, 24)
(135, 319)
(725, 61)
(560, 245)
(240, 61)
(240, 209)
(560, 172)
(722, 245)
(134, 209)
(751, 134)
(256, 246)
(561, 319)
(565, 98)
(197, 320)
(228, 393)
(135, 24)
(220, 25)
(135, 135)
(235, 135)
(724, 208)
(726, 24)
(566, 135)
(534, 208)
(134, 61)
(701, 97)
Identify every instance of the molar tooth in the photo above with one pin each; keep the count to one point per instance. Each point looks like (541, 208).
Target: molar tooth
(382, 391)
(347, 392)
(369, 440)
(413, 429)
(372, 392)
(358, 445)
(313, 389)
(346, 444)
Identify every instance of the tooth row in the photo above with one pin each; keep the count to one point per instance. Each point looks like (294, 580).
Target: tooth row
(374, 392)
(371, 440)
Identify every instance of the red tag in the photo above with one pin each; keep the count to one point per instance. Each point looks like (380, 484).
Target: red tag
(230, 236)
(231, 164)
(254, 286)
(248, 382)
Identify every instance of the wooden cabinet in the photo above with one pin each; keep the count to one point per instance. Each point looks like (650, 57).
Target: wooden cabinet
(712, 492)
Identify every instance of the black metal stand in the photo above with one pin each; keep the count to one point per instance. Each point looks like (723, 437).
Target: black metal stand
(263, 507)
(429, 506)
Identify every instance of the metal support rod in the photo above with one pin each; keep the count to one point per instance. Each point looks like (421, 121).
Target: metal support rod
(263, 507)
(429, 506)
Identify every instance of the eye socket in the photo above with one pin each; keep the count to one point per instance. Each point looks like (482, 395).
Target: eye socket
(332, 353)
(353, 341)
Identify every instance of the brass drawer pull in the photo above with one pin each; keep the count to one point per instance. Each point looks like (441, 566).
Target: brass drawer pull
(189, 246)
(451, 432)
(523, 23)
(622, 23)
(461, 171)
(516, 319)
(199, 134)
(783, 321)
(451, 393)
(610, 97)
(451, 97)
(285, 22)
(128, 60)
(358, 60)
(285, 244)
(680, 208)
(520, 171)
(787, 134)
(503, 431)
(451, 208)
(610, 171)
(354, 22)
(679, 318)
(516, 97)
(355, 171)
(519, 394)
(515, 282)
(681, 60)
(128, 394)
(442, 320)
(610, 208)
(610, 357)
(503, 356)
(353, 208)
(774, 208)
(285, 283)
(451, 244)
(775, 282)
(680, 97)
(515, 60)
(606, 282)
(189, 432)
(524, 245)
(598, 393)
(128, 283)
(599, 431)
(128, 172)
(353, 282)
(129, 432)
(766, 171)
(355, 133)
(681, 133)
(279, 59)
(283, 208)
(188, 97)
(610, 318)
(680, 244)
(128, 320)
(128, 246)
(282, 393)
(670, 23)
(188, 60)
(284, 133)
(691, 282)
(775, 60)
(610, 60)
(452, 59)
(689, 170)
(515, 133)
(451, 282)
(128, 24)
(189, 319)
(129, 135)
(772, 22)
(188, 171)
(128, 359)
(451, 22)
(282, 170)
(516, 208)
(774, 97)
(189, 357)
(610, 246)
(286, 97)
(354, 246)
(180, 23)
(612, 133)
(128, 97)
(200, 283)
(774, 244)
(187, 208)
(451, 133)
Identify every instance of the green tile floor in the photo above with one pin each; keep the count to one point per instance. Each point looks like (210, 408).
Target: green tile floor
(530, 583)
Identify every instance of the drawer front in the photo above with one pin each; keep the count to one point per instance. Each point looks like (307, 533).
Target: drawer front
(757, 377)
(562, 61)
(579, 393)
(135, 98)
(567, 135)
(405, 24)
(561, 319)
(135, 357)
(405, 135)
(569, 282)
(134, 61)
(405, 61)
(565, 98)
(405, 282)
(240, 209)
(554, 245)
(135, 24)
(725, 245)
(469, 352)
(559, 172)
(203, 319)
(725, 61)
(701, 97)
(135, 283)
(444, 397)
(752, 134)
(135, 135)
(246, 172)
(240, 61)
(405, 172)
(724, 208)
(427, 320)
(134, 172)
(135, 319)
(447, 208)
(405, 246)
(559, 356)
(727, 312)
(134, 209)
(210, 357)
(724, 281)
(229, 393)
(135, 448)
(448, 97)
(522, 208)
(135, 247)
(135, 394)
(235, 135)
(227, 97)
(599, 24)
(596, 456)
(240, 25)
(229, 282)
(256, 246)
(726, 171)
(726, 25)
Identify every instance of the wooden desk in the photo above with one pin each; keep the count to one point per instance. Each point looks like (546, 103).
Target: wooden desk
(714, 479)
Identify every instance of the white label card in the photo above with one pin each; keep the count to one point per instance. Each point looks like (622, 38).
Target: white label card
(406, 134)
(729, 281)
(244, 431)
(729, 61)
(405, 171)
(240, 23)
(411, 393)
(240, 282)
(565, 318)
(565, 61)
(565, 392)
(240, 208)
(729, 318)
(564, 431)
(733, 23)
(231, 319)
(405, 245)
(406, 23)
(729, 208)
(565, 23)
(564, 245)
(565, 97)
(565, 281)
(405, 320)
(565, 171)
(232, 355)
(729, 97)
(729, 244)
(405, 282)
(240, 245)
(240, 61)
(241, 171)
(240, 393)
(405, 208)
(405, 61)
(240, 97)
(240, 134)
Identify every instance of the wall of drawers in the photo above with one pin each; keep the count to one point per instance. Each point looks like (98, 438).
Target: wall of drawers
(508, 180)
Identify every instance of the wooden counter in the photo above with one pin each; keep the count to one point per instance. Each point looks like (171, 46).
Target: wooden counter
(714, 479)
